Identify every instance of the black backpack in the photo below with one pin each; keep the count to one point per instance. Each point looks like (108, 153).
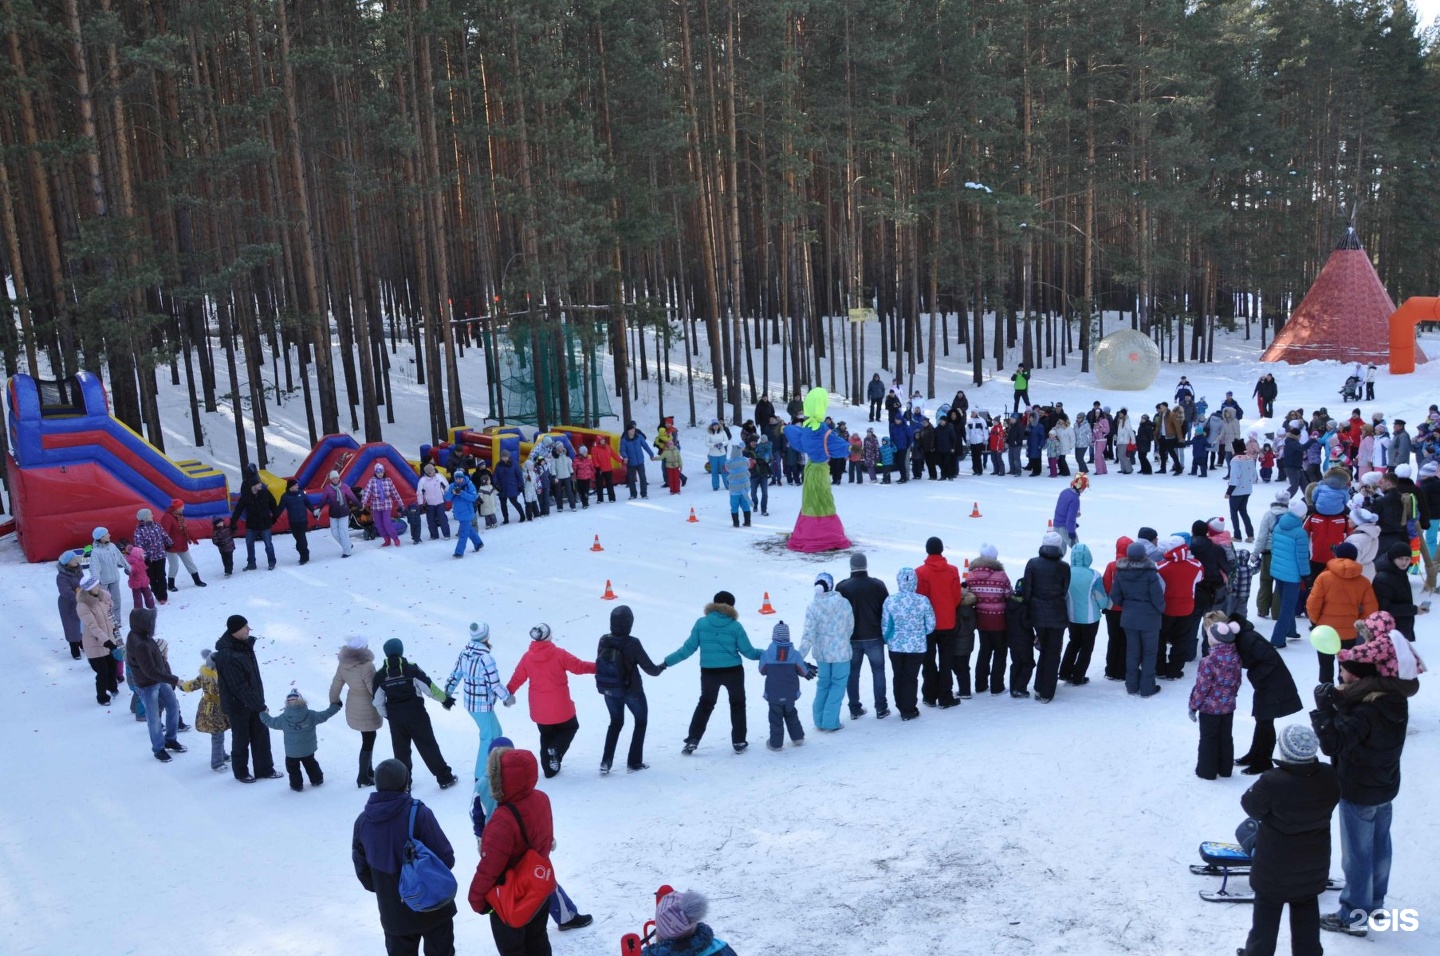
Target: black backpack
(612, 677)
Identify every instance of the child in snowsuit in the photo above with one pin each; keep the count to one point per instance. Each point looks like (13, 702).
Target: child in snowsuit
(584, 475)
(1267, 463)
(1200, 452)
(857, 458)
(670, 461)
(223, 537)
(736, 474)
(298, 722)
(139, 578)
(97, 636)
(486, 501)
(782, 668)
(872, 452)
(887, 460)
(209, 718)
(1052, 453)
(678, 930)
(1212, 701)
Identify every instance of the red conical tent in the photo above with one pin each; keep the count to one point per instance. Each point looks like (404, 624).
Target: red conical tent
(1345, 316)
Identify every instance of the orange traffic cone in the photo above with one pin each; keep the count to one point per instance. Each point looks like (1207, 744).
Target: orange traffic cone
(966, 575)
(596, 545)
(975, 511)
(1049, 522)
(766, 608)
(609, 595)
(692, 519)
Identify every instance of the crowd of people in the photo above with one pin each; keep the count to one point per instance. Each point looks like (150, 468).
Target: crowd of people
(1338, 544)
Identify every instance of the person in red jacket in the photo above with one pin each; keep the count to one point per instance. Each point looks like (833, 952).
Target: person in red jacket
(544, 664)
(940, 582)
(1115, 634)
(604, 457)
(1180, 573)
(522, 821)
(172, 522)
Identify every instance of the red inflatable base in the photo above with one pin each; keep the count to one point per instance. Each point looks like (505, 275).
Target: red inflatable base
(813, 534)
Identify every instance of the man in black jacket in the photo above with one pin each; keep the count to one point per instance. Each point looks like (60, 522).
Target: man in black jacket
(242, 698)
(377, 849)
(867, 597)
(1047, 583)
(1361, 726)
(1291, 805)
(258, 506)
(400, 689)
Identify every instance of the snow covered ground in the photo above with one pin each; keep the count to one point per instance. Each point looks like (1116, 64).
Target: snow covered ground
(997, 827)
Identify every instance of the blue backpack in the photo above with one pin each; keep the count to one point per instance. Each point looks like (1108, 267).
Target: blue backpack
(426, 883)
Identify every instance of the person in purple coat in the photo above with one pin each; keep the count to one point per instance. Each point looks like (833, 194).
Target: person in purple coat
(509, 483)
(1067, 508)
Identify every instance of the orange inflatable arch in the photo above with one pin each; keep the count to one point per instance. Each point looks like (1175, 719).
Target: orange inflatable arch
(1402, 331)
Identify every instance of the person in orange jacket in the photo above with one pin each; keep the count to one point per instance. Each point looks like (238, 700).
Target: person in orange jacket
(1340, 596)
(545, 664)
(604, 457)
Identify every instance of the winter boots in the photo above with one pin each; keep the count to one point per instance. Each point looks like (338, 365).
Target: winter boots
(747, 519)
(195, 576)
(735, 518)
(366, 777)
(171, 582)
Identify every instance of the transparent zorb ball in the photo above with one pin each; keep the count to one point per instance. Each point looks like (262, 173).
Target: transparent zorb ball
(1126, 361)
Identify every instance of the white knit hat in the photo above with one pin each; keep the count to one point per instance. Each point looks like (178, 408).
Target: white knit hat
(989, 551)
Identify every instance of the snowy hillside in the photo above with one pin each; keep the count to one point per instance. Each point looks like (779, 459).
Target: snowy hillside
(1000, 826)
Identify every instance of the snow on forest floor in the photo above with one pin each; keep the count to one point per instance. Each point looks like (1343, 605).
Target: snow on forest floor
(997, 827)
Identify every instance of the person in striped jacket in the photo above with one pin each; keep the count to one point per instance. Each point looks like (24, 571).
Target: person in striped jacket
(475, 668)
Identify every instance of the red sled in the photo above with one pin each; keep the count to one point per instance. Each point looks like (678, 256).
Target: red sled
(631, 944)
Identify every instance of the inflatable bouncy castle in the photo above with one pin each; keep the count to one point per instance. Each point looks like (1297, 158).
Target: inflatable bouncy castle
(73, 466)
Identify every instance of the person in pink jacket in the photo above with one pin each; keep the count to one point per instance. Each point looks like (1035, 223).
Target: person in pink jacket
(585, 476)
(1100, 434)
(139, 579)
(384, 503)
(545, 664)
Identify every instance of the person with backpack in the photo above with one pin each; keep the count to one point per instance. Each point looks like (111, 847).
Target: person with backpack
(721, 640)
(618, 662)
(400, 689)
(391, 820)
(522, 824)
(545, 664)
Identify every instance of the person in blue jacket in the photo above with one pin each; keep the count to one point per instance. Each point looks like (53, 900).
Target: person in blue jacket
(737, 480)
(900, 441)
(1034, 443)
(1067, 509)
(635, 450)
(1289, 563)
(917, 456)
(721, 640)
(297, 510)
(510, 483)
(462, 496)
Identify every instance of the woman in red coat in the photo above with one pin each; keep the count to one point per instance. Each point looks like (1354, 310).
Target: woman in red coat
(512, 775)
(172, 521)
(545, 665)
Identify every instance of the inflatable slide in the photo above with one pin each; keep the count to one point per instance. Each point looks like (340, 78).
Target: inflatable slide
(356, 465)
(73, 466)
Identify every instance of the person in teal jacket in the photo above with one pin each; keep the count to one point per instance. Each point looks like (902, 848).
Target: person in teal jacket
(721, 640)
(1289, 562)
(1086, 601)
(462, 496)
(298, 722)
